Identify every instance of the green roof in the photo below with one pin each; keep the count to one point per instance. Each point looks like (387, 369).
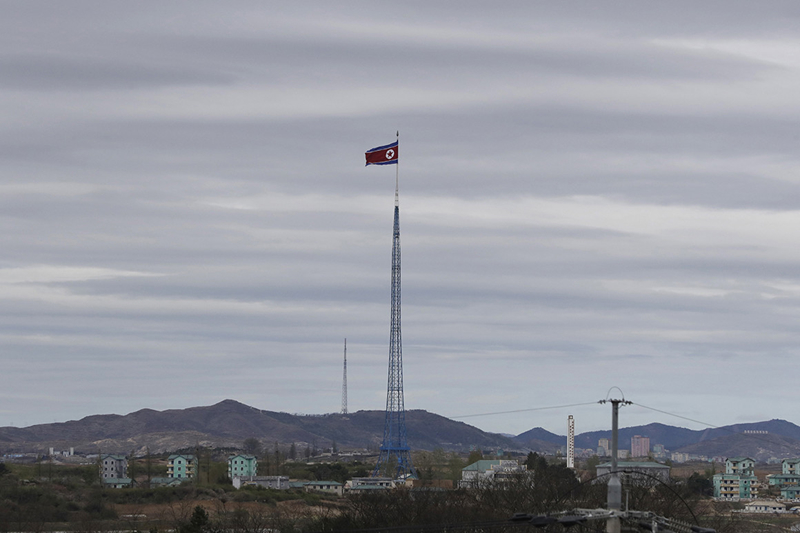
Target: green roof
(482, 465)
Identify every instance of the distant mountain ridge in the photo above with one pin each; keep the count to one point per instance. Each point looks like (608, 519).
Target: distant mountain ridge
(228, 423)
(780, 440)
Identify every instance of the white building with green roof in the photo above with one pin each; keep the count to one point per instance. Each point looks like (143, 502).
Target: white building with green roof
(182, 466)
(113, 466)
(490, 471)
(738, 482)
(242, 465)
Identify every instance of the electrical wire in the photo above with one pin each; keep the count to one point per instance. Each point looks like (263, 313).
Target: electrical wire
(712, 426)
(524, 410)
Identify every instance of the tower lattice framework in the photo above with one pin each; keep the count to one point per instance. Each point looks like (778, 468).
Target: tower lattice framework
(394, 453)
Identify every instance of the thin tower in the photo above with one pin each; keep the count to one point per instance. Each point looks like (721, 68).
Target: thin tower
(394, 452)
(570, 442)
(344, 381)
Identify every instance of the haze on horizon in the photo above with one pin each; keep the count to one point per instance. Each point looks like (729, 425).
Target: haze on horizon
(591, 195)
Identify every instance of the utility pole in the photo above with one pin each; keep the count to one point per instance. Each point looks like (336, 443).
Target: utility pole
(614, 502)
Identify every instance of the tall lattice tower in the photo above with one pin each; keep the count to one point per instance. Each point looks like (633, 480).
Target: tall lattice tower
(344, 381)
(570, 442)
(394, 454)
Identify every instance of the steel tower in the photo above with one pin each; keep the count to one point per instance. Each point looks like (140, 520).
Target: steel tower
(394, 450)
(344, 381)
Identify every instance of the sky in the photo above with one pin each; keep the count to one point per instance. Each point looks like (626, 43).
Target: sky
(592, 195)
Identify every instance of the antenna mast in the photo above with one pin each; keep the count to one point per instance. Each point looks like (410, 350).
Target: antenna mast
(344, 381)
(570, 442)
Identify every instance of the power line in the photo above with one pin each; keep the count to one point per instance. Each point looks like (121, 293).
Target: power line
(712, 426)
(524, 410)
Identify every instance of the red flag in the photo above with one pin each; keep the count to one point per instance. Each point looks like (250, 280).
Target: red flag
(383, 155)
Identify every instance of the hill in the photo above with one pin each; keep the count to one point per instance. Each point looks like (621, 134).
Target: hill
(228, 423)
(759, 447)
(781, 440)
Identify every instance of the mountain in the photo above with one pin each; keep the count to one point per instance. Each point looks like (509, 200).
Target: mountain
(774, 438)
(541, 440)
(229, 422)
(670, 436)
(759, 447)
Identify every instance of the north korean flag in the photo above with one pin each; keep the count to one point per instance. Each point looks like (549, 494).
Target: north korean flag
(383, 155)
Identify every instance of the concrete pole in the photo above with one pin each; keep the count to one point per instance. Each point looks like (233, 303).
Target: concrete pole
(614, 484)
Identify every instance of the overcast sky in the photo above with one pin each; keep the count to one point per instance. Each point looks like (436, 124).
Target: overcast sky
(592, 194)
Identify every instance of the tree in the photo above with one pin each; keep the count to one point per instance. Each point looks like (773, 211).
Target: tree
(293, 452)
(148, 465)
(252, 446)
(591, 465)
(474, 457)
(198, 523)
(700, 484)
(132, 466)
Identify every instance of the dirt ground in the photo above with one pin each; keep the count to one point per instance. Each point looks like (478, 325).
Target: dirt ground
(145, 516)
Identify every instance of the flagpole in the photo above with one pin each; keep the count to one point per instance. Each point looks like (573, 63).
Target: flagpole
(397, 174)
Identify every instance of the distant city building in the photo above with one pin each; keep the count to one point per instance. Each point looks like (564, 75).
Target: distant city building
(603, 448)
(643, 473)
(113, 466)
(659, 451)
(182, 466)
(640, 446)
(242, 465)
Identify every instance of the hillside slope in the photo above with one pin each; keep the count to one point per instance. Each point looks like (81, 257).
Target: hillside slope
(229, 422)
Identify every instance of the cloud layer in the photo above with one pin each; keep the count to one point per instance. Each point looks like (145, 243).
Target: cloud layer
(591, 196)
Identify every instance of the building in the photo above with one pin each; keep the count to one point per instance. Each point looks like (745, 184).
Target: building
(117, 482)
(788, 481)
(324, 486)
(659, 452)
(181, 466)
(268, 482)
(640, 446)
(636, 472)
(242, 465)
(740, 465)
(764, 506)
(490, 471)
(790, 492)
(384, 482)
(738, 482)
(603, 448)
(783, 480)
(790, 466)
(113, 466)
(369, 484)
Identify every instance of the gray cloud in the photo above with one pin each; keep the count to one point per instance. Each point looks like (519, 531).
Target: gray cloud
(590, 196)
